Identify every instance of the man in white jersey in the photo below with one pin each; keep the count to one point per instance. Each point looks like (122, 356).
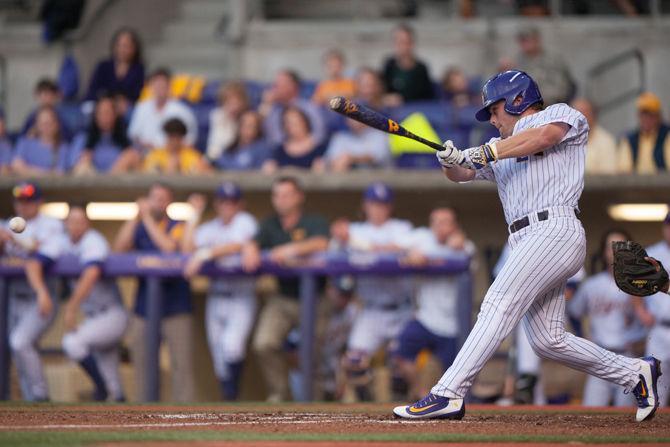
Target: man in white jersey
(32, 301)
(655, 312)
(387, 301)
(610, 314)
(538, 167)
(93, 343)
(435, 325)
(231, 302)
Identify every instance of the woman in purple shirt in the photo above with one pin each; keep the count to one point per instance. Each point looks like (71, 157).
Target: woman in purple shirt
(42, 151)
(123, 73)
(105, 146)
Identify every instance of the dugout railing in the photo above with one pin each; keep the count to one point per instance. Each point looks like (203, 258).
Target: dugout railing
(155, 267)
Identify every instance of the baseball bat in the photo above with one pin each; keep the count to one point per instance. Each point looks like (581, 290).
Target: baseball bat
(374, 119)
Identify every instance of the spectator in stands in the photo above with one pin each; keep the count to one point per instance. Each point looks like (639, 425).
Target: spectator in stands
(359, 147)
(47, 94)
(601, 149)
(123, 72)
(549, 70)
(249, 150)
(224, 121)
(403, 73)
(646, 150)
(285, 92)
(154, 232)
(146, 124)
(5, 147)
(176, 157)
(370, 89)
(289, 235)
(435, 325)
(300, 148)
(105, 146)
(336, 83)
(533, 8)
(456, 89)
(42, 150)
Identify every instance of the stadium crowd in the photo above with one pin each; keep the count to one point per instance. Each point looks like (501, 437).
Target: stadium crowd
(185, 125)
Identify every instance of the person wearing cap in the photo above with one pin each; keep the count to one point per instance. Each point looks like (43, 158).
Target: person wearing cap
(601, 148)
(231, 302)
(435, 325)
(646, 150)
(654, 312)
(33, 299)
(549, 70)
(176, 157)
(386, 301)
(289, 236)
(153, 232)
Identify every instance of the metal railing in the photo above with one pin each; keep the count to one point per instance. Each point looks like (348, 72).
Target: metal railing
(155, 267)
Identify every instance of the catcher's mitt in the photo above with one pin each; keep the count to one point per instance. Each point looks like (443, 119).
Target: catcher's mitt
(635, 272)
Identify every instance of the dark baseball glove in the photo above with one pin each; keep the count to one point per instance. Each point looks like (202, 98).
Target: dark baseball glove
(635, 272)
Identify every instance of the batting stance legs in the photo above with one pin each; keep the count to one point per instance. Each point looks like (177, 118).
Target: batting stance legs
(544, 253)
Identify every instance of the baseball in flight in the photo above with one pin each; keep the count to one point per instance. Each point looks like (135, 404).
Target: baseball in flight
(17, 224)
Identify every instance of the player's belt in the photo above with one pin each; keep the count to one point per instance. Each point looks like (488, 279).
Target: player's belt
(525, 221)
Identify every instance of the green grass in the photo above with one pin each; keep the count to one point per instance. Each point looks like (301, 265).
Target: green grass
(81, 438)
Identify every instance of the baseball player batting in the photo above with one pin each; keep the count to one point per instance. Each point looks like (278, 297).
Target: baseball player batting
(538, 165)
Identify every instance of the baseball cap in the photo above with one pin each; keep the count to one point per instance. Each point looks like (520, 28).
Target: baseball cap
(228, 191)
(26, 191)
(648, 102)
(378, 192)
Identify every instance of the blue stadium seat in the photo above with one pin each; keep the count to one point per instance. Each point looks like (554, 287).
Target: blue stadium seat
(210, 93)
(201, 112)
(255, 92)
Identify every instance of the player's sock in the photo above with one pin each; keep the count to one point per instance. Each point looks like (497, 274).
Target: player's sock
(230, 387)
(91, 367)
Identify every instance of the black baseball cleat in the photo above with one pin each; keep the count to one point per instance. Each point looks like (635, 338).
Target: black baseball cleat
(645, 390)
(432, 407)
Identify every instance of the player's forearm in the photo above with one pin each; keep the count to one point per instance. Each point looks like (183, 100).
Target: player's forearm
(35, 275)
(310, 246)
(85, 284)
(531, 141)
(124, 240)
(459, 174)
(162, 240)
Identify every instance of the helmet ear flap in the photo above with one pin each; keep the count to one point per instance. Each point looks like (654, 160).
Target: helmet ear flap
(513, 103)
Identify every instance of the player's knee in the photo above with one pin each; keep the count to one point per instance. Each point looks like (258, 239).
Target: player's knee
(19, 342)
(546, 345)
(74, 348)
(262, 345)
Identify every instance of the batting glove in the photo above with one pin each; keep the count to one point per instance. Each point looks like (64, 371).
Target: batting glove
(479, 156)
(450, 156)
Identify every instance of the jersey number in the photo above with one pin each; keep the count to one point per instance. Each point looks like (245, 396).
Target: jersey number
(522, 159)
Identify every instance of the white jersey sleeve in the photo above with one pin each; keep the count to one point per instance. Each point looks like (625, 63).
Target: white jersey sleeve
(562, 113)
(94, 248)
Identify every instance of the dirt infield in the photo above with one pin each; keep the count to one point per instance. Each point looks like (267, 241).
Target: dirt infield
(170, 425)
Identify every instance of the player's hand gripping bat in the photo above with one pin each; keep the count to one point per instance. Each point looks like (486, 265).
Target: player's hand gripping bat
(374, 119)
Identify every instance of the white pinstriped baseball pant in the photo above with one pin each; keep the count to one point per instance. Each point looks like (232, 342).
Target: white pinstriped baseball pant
(531, 285)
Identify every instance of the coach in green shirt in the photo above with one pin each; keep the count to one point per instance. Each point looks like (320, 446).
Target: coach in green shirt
(289, 235)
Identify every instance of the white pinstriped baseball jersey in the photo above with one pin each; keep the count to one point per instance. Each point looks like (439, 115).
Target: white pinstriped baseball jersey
(554, 177)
